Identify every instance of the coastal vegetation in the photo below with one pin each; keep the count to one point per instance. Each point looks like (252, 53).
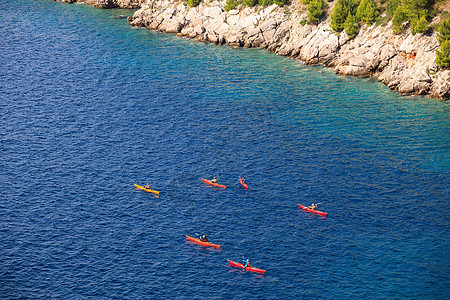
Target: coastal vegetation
(349, 15)
(343, 9)
(443, 55)
(315, 10)
(193, 3)
(405, 62)
(232, 4)
(414, 13)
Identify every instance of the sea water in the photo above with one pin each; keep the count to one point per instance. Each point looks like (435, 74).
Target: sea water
(89, 106)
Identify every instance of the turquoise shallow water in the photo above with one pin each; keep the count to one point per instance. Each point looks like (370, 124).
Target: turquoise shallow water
(90, 105)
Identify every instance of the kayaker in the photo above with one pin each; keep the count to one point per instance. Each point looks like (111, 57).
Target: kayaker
(203, 238)
(147, 186)
(243, 180)
(313, 206)
(214, 180)
(246, 263)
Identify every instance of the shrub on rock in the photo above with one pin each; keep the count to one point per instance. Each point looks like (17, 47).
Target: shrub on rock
(443, 55)
(193, 3)
(367, 11)
(340, 13)
(315, 11)
(351, 26)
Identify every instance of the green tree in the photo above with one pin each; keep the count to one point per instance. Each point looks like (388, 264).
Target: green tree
(414, 7)
(351, 26)
(315, 11)
(280, 2)
(367, 11)
(249, 2)
(418, 12)
(193, 3)
(399, 17)
(265, 2)
(444, 31)
(443, 55)
(391, 7)
(231, 4)
(340, 13)
(419, 25)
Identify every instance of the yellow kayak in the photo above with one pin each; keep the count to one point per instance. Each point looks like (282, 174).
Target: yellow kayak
(147, 190)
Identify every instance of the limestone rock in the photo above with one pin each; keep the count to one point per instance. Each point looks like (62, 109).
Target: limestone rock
(402, 62)
(441, 86)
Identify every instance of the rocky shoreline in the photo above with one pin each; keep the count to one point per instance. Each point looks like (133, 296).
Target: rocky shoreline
(405, 62)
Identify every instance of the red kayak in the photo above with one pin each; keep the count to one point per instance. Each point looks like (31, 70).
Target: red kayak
(242, 183)
(213, 184)
(252, 269)
(198, 241)
(320, 213)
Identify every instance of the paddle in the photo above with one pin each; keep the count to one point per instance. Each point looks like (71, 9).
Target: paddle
(314, 205)
(199, 236)
(243, 260)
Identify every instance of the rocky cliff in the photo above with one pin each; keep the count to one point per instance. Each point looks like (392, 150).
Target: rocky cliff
(403, 62)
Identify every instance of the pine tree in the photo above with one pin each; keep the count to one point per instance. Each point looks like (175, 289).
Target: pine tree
(443, 55)
(265, 2)
(415, 6)
(419, 25)
(418, 12)
(315, 11)
(249, 2)
(340, 13)
(280, 2)
(444, 31)
(351, 26)
(367, 11)
(398, 18)
(193, 3)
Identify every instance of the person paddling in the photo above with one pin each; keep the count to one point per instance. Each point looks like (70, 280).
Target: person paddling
(147, 186)
(203, 238)
(246, 263)
(313, 206)
(214, 180)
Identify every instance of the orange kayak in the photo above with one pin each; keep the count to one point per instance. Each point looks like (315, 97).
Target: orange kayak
(305, 208)
(212, 183)
(243, 183)
(198, 241)
(250, 268)
(147, 190)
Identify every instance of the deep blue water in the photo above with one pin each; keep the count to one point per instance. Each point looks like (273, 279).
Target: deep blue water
(89, 106)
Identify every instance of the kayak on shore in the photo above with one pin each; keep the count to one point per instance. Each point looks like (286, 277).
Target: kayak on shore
(305, 208)
(243, 183)
(213, 184)
(200, 242)
(147, 190)
(251, 269)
